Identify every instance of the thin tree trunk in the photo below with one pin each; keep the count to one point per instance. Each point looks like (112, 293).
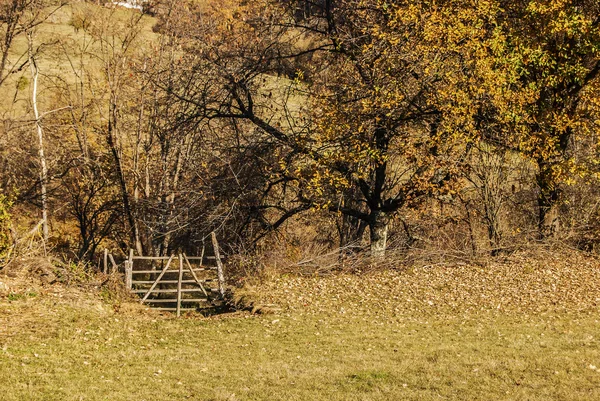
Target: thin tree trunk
(170, 199)
(136, 164)
(112, 142)
(115, 60)
(12, 23)
(40, 133)
(548, 200)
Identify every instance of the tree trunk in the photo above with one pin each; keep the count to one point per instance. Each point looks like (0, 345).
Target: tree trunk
(548, 224)
(40, 133)
(548, 200)
(378, 225)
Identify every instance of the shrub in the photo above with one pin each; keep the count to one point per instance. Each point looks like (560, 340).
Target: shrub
(5, 239)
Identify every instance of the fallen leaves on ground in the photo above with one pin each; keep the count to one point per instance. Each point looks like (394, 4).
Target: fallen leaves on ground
(526, 283)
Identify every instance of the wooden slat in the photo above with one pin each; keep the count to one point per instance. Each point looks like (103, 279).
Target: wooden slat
(195, 300)
(129, 269)
(157, 280)
(201, 254)
(166, 291)
(203, 257)
(194, 274)
(174, 281)
(174, 309)
(172, 301)
(105, 269)
(171, 271)
(179, 285)
(167, 257)
(151, 257)
(115, 268)
(151, 271)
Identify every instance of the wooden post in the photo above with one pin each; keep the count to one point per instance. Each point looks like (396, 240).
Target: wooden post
(179, 285)
(202, 254)
(129, 270)
(219, 264)
(105, 267)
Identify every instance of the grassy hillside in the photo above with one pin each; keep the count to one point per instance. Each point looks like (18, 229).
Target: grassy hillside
(422, 334)
(60, 43)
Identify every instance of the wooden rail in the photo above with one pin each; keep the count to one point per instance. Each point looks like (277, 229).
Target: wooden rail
(177, 270)
(168, 257)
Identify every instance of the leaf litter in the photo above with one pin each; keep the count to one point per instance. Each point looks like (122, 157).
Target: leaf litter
(522, 283)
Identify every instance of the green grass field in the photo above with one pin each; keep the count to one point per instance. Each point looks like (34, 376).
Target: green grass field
(78, 354)
(58, 344)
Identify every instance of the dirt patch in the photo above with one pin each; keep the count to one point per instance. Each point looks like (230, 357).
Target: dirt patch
(44, 278)
(41, 270)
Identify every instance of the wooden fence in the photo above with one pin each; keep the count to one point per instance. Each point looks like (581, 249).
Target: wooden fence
(178, 284)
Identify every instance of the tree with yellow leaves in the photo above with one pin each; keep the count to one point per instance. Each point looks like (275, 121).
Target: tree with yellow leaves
(373, 105)
(540, 69)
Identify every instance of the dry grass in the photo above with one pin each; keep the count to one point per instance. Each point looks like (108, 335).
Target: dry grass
(60, 44)
(418, 334)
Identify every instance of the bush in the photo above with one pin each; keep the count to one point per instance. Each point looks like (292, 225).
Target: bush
(5, 239)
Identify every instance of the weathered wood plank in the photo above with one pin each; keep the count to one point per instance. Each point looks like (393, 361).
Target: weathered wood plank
(195, 300)
(210, 280)
(179, 285)
(129, 270)
(105, 268)
(219, 264)
(203, 269)
(151, 257)
(128, 274)
(205, 257)
(172, 301)
(115, 268)
(167, 257)
(157, 280)
(194, 274)
(168, 290)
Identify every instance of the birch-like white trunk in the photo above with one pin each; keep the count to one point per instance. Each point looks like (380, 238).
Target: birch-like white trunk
(378, 226)
(40, 133)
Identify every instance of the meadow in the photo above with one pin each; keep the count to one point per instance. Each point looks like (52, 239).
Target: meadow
(419, 333)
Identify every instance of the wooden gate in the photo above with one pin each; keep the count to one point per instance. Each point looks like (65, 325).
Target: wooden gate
(180, 283)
